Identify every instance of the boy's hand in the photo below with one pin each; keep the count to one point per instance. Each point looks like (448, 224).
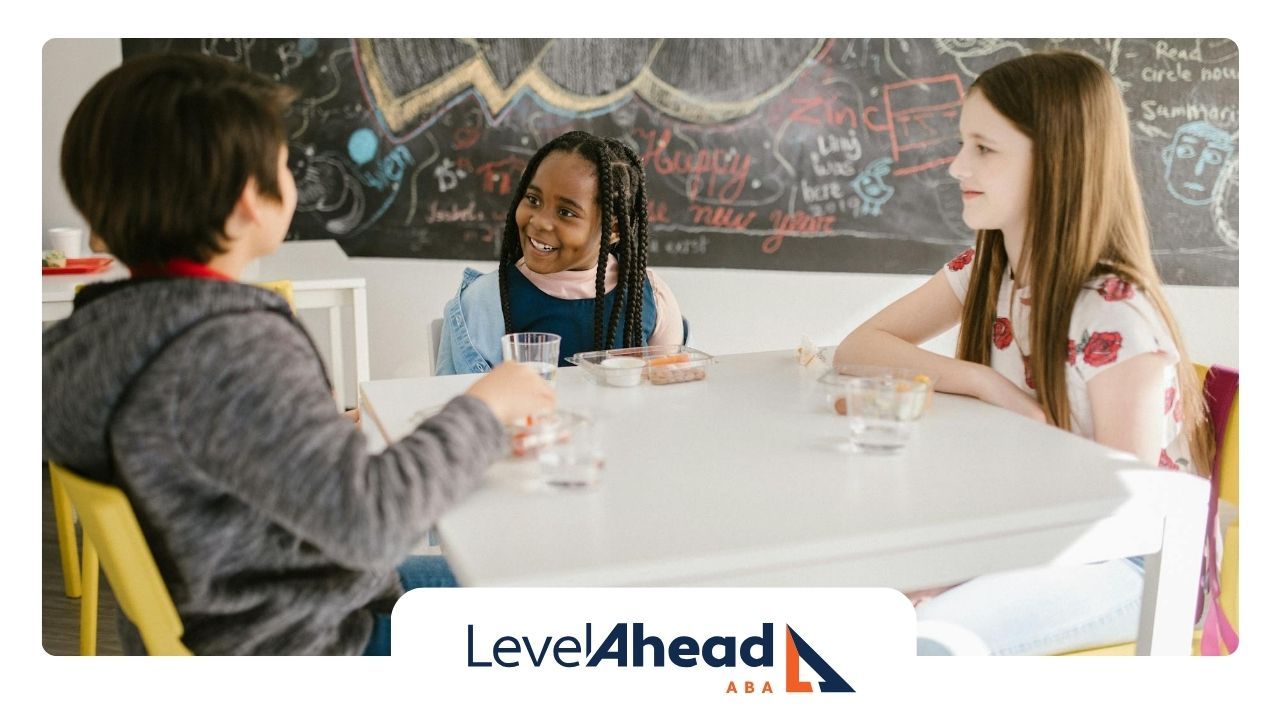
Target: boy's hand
(514, 391)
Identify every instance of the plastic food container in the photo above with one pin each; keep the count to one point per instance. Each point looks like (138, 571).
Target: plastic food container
(656, 364)
(623, 371)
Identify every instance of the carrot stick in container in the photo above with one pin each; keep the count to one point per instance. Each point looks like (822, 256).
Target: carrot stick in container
(669, 359)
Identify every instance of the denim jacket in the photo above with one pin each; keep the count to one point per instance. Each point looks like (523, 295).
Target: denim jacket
(473, 326)
(470, 341)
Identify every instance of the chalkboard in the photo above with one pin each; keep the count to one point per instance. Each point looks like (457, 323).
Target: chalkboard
(798, 154)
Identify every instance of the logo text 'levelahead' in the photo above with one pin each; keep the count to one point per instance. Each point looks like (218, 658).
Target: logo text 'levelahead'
(513, 646)
(629, 645)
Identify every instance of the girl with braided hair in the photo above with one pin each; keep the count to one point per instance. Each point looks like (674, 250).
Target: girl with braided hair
(577, 190)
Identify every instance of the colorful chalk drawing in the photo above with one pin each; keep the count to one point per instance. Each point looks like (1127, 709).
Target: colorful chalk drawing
(234, 49)
(871, 188)
(328, 188)
(1226, 204)
(989, 51)
(1194, 160)
(411, 82)
(798, 154)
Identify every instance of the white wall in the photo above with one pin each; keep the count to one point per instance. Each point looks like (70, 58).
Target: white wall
(729, 310)
(71, 67)
(733, 311)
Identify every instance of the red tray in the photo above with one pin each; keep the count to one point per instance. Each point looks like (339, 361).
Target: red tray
(79, 266)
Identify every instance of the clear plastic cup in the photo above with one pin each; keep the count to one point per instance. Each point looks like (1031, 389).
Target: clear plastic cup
(829, 390)
(575, 459)
(882, 411)
(565, 445)
(539, 350)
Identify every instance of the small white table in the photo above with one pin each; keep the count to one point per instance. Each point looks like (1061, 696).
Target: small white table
(322, 276)
(736, 481)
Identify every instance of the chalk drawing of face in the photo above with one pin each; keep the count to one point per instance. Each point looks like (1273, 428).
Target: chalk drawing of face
(1193, 162)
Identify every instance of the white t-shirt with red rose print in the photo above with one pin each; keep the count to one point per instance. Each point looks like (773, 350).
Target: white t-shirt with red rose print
(1112, 321)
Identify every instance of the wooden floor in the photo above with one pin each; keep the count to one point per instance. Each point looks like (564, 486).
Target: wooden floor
(60, 615)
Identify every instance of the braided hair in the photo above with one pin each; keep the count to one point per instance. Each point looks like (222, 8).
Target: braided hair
(623, 201)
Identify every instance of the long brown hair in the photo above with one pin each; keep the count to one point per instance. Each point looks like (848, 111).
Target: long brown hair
(1085, 218)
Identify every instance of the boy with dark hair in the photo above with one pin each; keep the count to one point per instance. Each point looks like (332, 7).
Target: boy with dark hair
(202, 398)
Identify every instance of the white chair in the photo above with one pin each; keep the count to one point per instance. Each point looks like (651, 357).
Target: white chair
(433, 347)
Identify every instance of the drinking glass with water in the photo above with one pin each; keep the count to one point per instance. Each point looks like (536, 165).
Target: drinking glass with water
(576, 458)
(566, 446)
(539, 350)
(882, 411)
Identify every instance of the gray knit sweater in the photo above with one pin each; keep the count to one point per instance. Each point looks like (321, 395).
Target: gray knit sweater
(275, 530)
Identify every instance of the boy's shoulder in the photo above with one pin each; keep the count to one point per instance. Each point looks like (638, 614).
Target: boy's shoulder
(184, 330)
(130, 322)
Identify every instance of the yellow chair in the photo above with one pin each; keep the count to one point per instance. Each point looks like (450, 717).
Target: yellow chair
(111, 527)
(283, 288)
(65, 522)
(1228, 459)
(75, 583)
(66, 538)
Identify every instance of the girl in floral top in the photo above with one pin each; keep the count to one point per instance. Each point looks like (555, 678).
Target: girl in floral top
(1062, 319)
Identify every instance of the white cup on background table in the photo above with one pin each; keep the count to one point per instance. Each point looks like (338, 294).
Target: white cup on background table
(68, 240)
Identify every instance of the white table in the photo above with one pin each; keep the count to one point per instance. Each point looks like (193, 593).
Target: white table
(736, 481)
(322, 276)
